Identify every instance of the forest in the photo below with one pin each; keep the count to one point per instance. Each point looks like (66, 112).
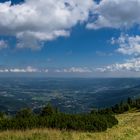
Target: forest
(49, 117)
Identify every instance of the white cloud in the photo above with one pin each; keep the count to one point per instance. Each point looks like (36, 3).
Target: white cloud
(46, 70)
(3, 44)
(115, 14)
(129, 65)
(29, 69)
(74, 70)
(4, 70)
(128, 45)
(42, 20)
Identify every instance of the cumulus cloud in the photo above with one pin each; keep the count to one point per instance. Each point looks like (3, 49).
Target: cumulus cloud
(34, 21)
(29, 69)
(74, 70)
(115, 14)
(4, 70)
(128, 45)
(129, 65)
(46, 70)
(3, 44)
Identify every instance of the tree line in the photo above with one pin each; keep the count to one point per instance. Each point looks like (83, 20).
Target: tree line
(50, 117)
(119, 108)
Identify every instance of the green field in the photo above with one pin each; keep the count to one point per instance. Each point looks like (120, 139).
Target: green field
(127, 129)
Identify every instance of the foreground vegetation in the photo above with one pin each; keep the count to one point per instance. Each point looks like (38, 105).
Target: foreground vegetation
(50, 117)
(50, 124)
(127, 129)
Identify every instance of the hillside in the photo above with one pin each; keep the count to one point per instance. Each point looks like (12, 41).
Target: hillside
(127, 129)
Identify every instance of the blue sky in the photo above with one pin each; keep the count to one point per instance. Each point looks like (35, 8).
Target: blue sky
(84, 39)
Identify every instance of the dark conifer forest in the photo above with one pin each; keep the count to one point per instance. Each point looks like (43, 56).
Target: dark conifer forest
(49, 117)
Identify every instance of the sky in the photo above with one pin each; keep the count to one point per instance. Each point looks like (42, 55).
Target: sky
(70, 38)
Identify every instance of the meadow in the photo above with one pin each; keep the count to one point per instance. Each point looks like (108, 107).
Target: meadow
(127, 129)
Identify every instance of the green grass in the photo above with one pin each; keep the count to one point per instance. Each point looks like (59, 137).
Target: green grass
(127, 129)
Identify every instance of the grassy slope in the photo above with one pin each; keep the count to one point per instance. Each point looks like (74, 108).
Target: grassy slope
(128, 129)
